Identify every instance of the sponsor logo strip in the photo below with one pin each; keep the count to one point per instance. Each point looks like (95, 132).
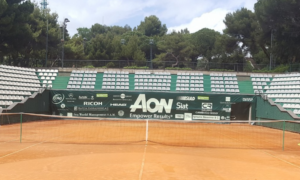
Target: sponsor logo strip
(206, 117)
(203, 98)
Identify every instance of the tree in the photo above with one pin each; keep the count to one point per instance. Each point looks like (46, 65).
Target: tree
(152, 26)
(98, 48)
(14, 30)
(243, 26)
(280, 19)
(118, 30)
(84, 33)
(99, 29)
(131, 50)
(174, 47)
(204, 42)
(38, 25)
(23, 30)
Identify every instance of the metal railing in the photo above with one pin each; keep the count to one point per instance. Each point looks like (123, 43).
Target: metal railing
(202, 66)
(212, 66)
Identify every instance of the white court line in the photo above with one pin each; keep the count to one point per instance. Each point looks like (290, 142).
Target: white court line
(27, 148)
(281, 159)
(285, 161)
(143, 162)
(144, 155)
(20, 150)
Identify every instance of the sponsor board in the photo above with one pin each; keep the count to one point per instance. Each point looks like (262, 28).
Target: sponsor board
(58, 98)
(70, 98)
(206, 112)
(90, 109)
(205, 117)
(247, 99)
(145, 105)
(92, 103)
(205, 98)
(226, 109)
(179, 116)
(122, 97)
(188, 116)
(186, 98)
(150, 116)
(121, 113)
(94, 115)
(181, 106)
(207, 106)
(101, 95)
(118, 104)
(86, 98)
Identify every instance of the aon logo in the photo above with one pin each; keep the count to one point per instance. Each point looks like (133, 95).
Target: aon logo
(159, 106)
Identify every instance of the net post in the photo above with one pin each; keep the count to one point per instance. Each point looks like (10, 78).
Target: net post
(283, 134)
(21, 128)
(146, 131)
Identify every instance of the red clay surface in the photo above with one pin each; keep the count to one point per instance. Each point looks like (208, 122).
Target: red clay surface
(117, 150)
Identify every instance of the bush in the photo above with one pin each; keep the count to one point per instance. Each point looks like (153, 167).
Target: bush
(177, 68)
(248, 67)
(110, 65)
(136, 67)
(88, 66)
(278, 69)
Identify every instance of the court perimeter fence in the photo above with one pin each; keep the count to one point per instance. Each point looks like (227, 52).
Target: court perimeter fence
(37, 128)
(202, 66)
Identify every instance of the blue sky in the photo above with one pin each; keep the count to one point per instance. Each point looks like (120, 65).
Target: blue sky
(191, 14)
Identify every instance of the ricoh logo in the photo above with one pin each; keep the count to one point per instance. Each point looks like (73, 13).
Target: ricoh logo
(159, 106)
(247, 99)
(92, 103)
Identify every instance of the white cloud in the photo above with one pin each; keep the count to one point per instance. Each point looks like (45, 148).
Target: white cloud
(120, 12)
(212, 20)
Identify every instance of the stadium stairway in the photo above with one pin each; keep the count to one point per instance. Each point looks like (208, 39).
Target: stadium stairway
(99, 78)
(245, 87)
(61, 82)
(207, 83)
(173, 82)
(131, 82)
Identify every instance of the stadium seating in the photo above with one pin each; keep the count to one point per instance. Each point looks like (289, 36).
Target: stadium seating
(224, 83)
(190, 82)
(260, 82)
(82, 80)
(47, 76)
(16, 84)
(283, 89)
(158, 81)
(115, 80)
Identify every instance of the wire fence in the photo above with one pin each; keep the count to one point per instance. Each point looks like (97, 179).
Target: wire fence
(211, 66)
(132, 64)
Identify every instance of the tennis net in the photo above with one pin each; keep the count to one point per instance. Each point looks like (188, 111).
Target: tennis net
(34, 128)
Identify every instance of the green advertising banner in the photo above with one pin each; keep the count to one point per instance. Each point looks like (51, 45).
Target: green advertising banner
(145, 105)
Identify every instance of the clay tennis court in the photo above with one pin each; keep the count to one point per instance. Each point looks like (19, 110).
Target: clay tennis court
(85, 149)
